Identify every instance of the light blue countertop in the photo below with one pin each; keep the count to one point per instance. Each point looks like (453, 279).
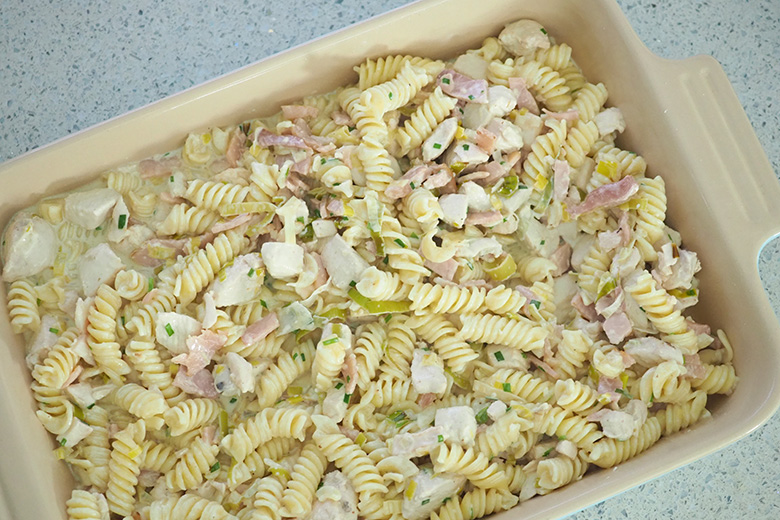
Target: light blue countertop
(65, 66)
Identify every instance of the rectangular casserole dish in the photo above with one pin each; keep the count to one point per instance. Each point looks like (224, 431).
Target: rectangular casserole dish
(683, 117)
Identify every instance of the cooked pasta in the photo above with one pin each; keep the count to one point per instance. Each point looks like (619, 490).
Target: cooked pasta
(432, 293)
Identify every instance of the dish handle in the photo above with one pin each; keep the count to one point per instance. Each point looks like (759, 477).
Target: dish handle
(740, 187)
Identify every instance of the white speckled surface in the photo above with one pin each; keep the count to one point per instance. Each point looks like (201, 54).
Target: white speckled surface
(64, 69)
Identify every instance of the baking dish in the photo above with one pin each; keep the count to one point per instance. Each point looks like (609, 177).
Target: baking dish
(683, 117)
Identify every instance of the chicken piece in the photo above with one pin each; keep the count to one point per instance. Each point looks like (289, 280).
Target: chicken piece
(466, 152)
(344, 264)
(239, 282)
(200, 350)
(98, 265)
(89, 209)
(429, 492)
(459, 424)
(336, 499)
(323, 228)
(410, 445)
(428, 373)
(241, 372)
(471, 65)
(477, 198)
(454, 208)
(501, 100)
(43, 341)
(496, 410)
(463, 87)
(76, 432)
(173, 329)
(119, 227)
(610, 120)
(530, 126)
(282, 260)
(651, 351)
(333, 405)
(29, 247)
(523, 37)
(509, 137)
(479, 247)
(440, 139)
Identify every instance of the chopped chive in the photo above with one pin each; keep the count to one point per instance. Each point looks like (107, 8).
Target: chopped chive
(414, 235)
(446, 81)
(426, 501)
(561, 437)
(390, 95)
(411, 185)
(446, 500)
(544, 31)
(38, 302)
(330, 341)
(386, 259)
(169, 329)
(251, 272)
(441, 438)
(347, 397)
(353, 283)
(437, 146)
(471, 97)
(90, 406)
(319, 486)
(171, 178)
(525, 356)
(482, 416)
(536, 303)
(507, 387)
(323, 161)
(99, 228)
(466, 147)
(265, 305)
(233, 400)
(123, 321)
(350, 128)
(303, 356)
(63, 441)
(53, 330)
(546, 453)
(215, 467)
(339, 385)
(151, 284)
(295, 355)
(348, 378)
(499, 356)
(122, 221)
(621, 391)
(542, 243)
(400, 242)
(299, 219)
(388, 317)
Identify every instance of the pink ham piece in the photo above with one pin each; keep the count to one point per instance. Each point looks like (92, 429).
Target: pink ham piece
(608, 385)
(587, 311)
(143, 255)
(544, 366)
(209, 434)
(609, 240)
(402, 187)
(232, 223)
(463, 87)
(561, 257)
(149, 168)
(201, 384)
(425, 400)
(441, 178)
(350, 371)
(341, 118)
(627, 359)
(617, 327)
(169, 198)
(570, 116)
(484, 218)
(200, 350)
(335, 208)
(303, 166)
(349, 432)
(260, 329)
(610, 303)
(694, 367)
(293, 112)
(320, 144)
(561, 173)
(296, 185)
(486, 140)
(444, 269)
(265, 138)
(607, 196)
(698, 328)
(235, 148)
(524, 97)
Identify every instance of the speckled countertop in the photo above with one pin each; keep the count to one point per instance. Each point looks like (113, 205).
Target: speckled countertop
(63, 69)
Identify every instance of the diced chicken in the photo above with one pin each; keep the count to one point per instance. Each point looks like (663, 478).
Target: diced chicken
(617, 327)
(239, 282)
(282, 260)
(150, 168)
(201, 384)
(607, 196)
(462, 87)
(265, 138)
(323, 228)
(496, 410)
(525, 99)
(561, 178)
(223, 382)
(466, 152)
(503, 357)
(479, 247)
(471, 65)
(30, 246)
(440, 139)
(413, 178)
(98, 265)
(454, 207)
(651, 351)
(477, 198)
(172, 330)
(82, 394)
(501, 100)
(411, 445)
(484, 218)
(530, 126)
(232, 223)
(625, 261)
(336, 499)
(200, 350)
(567, 448)
(475, 115)
(43, 341)
(610, 120)
(524, 37)
(610, 303)
(333, 405)
(89, 209)
(517, 199)
(154, 252)
(294, 215)
(445, 269)
(430, 491)
(294, 317)
(680, 271)
(241, 372)
(459, 424)
(509, 137)
(615, 424)
(293, 112)
(260, 329)
(428, 373)
(344, 264)
(77, 432)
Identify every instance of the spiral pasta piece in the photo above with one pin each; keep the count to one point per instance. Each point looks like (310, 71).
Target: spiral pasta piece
(536, 170)
(519, 332)
(83, 505)
(386, 68)
(581, 138)
(23, 307)
(369, 349)
(123, 469)
(610, 452)
(287, 369)
(123, 182)
(186, 219)
(263, 427)
(589, 99)
(446, 340)
(473, 465)
(306, 475)
(201, 267)
(188, 507)
(502, 434)
(131, 285)
(576, 397)
(475, 504)
(400, 347)
(211, 195)
(429, 298)
(557, 422)
(191, 414)
(556, 472)
(718, 379)
(101, 332)
(396, 92)
(421, 123)
(676, 417)
(387, 390)
(139, 401)
(145, 359)
(189, 470)
(546, 84)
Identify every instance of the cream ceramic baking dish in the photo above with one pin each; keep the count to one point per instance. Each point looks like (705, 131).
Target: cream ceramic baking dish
(682, 116)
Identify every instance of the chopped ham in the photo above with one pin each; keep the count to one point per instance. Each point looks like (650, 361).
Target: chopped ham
(209, 434)
(524, 37)
(402, 187)
(200, 384)
(462, 87)
(149, 168)
(265, 138)
(477, 176)
(303, 166)
(608, 385)
(200, 350)
(570, 116)
(607, 196)
(486, 140)
(587, 311)
(524, 97)
(549, 370)
(236, 147)
(341, 118)
(698, 328)
(444, 269)
(260, 329)
(293, 112)
(168, 248)
(561, 258)
(609, 240)
(441, 178)
(169, 198)
(336, 207)
(320, 144)
(694, 367)
(627, 359)
(296, 185)
(484, 218)
(232, 223)
(426, 399)
(617, 327)
(561, 179)
(350, 372)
